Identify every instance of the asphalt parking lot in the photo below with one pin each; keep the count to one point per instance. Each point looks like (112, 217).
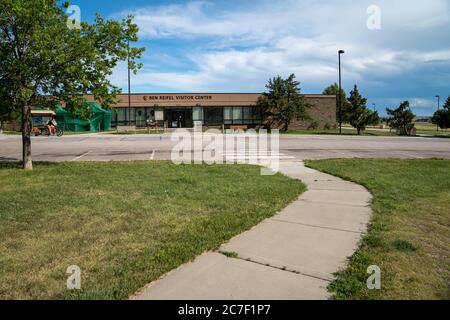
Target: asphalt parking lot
(106, 147)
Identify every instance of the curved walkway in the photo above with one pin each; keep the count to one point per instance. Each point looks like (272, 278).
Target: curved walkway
(292, 255)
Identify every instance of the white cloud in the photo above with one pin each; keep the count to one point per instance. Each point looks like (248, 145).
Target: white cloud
(267, 20)
(239, 49)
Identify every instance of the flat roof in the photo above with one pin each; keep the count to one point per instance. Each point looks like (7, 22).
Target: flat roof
(42, 112)
(194, 99)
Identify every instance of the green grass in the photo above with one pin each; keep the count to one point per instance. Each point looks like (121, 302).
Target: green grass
(74, 133)
(423, 128)
(230, 254)
(428, 126)
(12, 133)
(409, 236)
(139, 131)
(123, 223)
(345, 131)
(66, 133)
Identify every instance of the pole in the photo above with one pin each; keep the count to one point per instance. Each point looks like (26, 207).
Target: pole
(438, 98)
(129, 86)
(340, 90)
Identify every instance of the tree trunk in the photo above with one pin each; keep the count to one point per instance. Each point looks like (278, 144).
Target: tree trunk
(1, 126)
(359, 131)
(286, 126)
(27, 163)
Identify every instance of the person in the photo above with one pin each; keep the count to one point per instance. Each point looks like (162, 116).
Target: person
(51, 125)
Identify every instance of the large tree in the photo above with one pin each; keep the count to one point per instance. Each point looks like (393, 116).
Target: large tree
(359, 115)
(340, 94)
(401, 118)
(44, 60)
(442, 116)
(283, 101)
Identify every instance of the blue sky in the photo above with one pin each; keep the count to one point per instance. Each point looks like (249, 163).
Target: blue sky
(236, 46)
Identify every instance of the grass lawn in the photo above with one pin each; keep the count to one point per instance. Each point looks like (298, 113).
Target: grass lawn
(423, 128)
(12, 133)
(409, 237)
(66, 133)
(139, 131)
(345, 131)
(427, 128)
(123, 223)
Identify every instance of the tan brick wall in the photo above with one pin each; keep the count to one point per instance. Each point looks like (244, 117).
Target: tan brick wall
(323, 110)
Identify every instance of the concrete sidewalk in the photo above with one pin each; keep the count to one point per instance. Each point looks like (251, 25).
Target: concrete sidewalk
(292, 255)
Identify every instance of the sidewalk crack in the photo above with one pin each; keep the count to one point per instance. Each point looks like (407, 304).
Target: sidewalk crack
(234, 255)
(316, 226)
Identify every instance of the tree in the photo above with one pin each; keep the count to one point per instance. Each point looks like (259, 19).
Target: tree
(45, 61)
(283, 102)
(358, 114)
(6, 112)
(334, 90)
(442, 116)
(401, 118)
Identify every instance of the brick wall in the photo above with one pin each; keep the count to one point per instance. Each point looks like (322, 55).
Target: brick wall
(322, 111)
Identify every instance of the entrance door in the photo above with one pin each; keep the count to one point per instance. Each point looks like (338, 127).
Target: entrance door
(140, 117)
(179, 118)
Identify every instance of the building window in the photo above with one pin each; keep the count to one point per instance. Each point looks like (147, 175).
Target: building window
(228, 115)
(213, 116)
(121, 116)
(241, 115)
(257, 115)
(197, 113)
(247, 114)
(237, 115)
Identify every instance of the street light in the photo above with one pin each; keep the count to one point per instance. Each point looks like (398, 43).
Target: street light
(438, 101)
(339, 94)
(129, 86)
(374, 107)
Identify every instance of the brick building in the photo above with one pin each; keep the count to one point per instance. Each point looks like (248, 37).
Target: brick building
(175, 110)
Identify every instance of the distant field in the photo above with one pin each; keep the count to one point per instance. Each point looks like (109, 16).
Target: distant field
(429, 128)
(345, 131)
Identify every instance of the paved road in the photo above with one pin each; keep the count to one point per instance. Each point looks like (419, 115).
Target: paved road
(158, 147)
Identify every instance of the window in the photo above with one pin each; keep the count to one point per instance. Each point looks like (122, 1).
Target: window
(247, 114)
(197, 113)
(237, 115)
(228, 115)
(213, 116)
(121, 116)
(257, 114)
(131, 112)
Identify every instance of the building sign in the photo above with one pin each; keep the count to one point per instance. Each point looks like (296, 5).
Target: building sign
(176, 97)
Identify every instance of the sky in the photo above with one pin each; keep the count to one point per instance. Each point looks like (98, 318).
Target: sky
(398, 50)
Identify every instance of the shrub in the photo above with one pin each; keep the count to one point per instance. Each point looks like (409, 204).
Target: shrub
(313, 125)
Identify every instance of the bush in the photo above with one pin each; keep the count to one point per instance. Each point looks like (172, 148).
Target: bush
(327, 126)
(313, 125)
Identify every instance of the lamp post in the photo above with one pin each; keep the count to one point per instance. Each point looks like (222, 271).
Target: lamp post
(340, 90)
(438, 101)
(129, 86)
